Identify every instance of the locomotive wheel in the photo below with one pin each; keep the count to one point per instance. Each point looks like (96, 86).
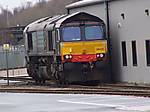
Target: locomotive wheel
(40, 82)
(50, 71)
(60, 79)
(29, 70)
(33, 72)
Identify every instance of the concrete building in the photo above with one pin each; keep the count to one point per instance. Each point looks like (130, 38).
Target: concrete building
(128, 24)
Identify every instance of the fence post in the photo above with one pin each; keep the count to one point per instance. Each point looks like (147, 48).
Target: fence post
(7, 67)
(6, 47)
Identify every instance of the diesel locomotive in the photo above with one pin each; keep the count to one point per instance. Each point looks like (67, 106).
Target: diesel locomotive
(67, 48)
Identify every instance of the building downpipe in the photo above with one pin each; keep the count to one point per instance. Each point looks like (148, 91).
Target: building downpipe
(108, 36)
(107, 18)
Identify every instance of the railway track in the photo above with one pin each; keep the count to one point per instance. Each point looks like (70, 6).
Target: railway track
(129, 86)
(68, 90)
(109, 89)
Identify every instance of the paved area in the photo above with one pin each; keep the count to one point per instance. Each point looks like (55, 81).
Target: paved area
(71, 103)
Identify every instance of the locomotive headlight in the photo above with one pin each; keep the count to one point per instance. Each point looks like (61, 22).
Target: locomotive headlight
(68, 56)
(97, 55)
(100, 55)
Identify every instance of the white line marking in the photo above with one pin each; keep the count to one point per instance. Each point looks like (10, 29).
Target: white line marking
(139, 108)
(119, 107)
(94, 104)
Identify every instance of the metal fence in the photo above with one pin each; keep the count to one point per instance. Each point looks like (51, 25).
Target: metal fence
(16, 57)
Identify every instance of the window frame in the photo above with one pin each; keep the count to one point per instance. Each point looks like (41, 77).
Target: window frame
(124, 53)
(147, 47)
(134, 53)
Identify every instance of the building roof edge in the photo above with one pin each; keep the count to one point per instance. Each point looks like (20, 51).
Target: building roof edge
(85, 3)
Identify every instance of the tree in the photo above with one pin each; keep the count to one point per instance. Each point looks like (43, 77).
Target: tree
(41, 3)
(28, 13)
(28, 4)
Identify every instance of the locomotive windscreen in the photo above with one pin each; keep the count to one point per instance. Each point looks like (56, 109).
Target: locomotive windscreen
(71, 34)
(93, 32)
(86, 32)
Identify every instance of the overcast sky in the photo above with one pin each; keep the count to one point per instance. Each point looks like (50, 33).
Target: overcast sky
(14, 3)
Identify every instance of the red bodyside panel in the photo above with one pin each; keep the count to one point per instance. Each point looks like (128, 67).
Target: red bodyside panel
(82, 58)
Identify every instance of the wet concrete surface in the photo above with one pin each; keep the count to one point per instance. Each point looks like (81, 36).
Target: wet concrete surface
(11, 102)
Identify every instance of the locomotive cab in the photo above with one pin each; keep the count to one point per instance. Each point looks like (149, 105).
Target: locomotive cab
(83, 40)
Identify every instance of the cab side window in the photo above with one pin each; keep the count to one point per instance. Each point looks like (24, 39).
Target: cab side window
(30, 43)
(50, 41)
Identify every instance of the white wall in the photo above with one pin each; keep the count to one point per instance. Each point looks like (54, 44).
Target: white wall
(97, 10)
(135, 26)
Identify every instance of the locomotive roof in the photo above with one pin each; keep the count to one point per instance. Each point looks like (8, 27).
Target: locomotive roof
(48, 23)
(43, 23)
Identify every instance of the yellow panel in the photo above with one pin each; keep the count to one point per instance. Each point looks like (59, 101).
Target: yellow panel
(86, 47)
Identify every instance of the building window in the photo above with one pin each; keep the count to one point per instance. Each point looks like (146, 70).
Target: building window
(124, 53)
(134, 53)
(148, 52)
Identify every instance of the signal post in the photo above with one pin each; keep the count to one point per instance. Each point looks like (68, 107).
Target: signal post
(6, 48)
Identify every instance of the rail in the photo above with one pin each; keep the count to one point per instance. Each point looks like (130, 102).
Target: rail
(109, 89)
